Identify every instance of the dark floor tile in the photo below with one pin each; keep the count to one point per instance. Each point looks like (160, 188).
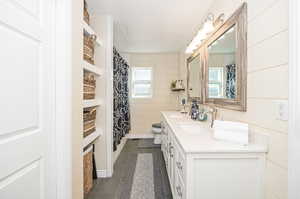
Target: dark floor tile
(119, 186)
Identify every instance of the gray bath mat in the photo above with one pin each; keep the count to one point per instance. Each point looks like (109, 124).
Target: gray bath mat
(143, 182)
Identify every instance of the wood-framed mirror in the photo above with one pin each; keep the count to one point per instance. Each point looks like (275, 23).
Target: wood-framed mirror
(225, 63)
(194, 78)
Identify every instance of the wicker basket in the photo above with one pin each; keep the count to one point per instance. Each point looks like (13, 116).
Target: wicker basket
(89, 127)
(89, 114)
(89, 79)
(89, 131)
(89, 121)
(89, 86)
(86, 15)
(89, 96)
(88, 171)
(89, 48)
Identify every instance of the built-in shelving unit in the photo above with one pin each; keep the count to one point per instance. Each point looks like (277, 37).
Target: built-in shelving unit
(87, 150)
(97, 68)
(94, 123)
(87, 67)
(91, 138)
(91, 68)
(91, 103)
(90, 31)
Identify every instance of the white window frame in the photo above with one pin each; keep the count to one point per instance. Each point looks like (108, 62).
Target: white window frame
(220, 83)
(134, 82)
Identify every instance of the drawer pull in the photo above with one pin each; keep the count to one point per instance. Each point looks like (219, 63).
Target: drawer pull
(179, 192)
(179, 165)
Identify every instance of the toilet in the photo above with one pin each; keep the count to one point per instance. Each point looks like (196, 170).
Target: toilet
(156, 130)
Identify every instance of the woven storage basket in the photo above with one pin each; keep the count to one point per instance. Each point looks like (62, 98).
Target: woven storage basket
(89, 114)
(88, 96)
(89, 86)
(89, 48)
(88, 172)
(89, 124)
(89, 131)
(89, 121)
(89, 79)
(89, 127)
(86, 15)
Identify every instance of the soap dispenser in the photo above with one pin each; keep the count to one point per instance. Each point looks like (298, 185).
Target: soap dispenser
(194, 110)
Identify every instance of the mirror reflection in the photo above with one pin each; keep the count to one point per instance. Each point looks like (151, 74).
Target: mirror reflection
(222, 66)
(194, 78)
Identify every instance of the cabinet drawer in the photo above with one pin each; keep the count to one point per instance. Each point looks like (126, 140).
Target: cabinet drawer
(180, 163)
(179, 187)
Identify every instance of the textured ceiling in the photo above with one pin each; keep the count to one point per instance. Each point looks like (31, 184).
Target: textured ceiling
(153, 25)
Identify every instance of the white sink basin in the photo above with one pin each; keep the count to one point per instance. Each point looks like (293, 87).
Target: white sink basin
(191, 128)
(176, 116)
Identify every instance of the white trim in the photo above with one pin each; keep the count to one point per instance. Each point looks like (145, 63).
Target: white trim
(51, 156)
(63, 105)
(90, 31)
(91, 103)
(109, 97)
(91, 138)
(87, 150)
(102, 174)
(139, 136)
(294, 101)
(91, 68)
(119, 149)
(136, 82)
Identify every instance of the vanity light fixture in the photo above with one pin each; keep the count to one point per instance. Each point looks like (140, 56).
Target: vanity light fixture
(208, 26)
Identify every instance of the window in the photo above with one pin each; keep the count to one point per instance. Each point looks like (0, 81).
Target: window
(215, 84)
(141, 82)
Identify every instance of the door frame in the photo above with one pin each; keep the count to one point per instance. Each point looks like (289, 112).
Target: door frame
(294, 101)
(61, 147)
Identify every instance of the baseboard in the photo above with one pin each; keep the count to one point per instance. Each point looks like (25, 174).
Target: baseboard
(139, 136)
(119, 149)
(102, 174)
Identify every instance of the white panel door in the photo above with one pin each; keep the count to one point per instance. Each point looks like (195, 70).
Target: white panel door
(26, 97)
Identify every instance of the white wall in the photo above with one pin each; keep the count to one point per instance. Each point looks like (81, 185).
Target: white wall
(77, 90)
(267, 81)
(144, 112)
(103, 25)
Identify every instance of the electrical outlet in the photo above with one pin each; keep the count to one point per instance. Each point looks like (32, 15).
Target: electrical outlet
(282, 110)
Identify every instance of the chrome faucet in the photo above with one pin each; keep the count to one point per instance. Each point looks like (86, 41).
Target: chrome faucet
(213, 111)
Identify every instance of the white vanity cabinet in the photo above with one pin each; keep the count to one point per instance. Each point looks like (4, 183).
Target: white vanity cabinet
(175, 162)
(168, 149)
(200, 167)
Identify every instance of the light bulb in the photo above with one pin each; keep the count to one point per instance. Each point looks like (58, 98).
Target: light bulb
(188, 50)
(200, 36)
(208, 27)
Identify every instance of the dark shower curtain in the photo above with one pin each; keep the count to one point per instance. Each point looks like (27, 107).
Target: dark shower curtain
(230, 81)
(121, 99)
